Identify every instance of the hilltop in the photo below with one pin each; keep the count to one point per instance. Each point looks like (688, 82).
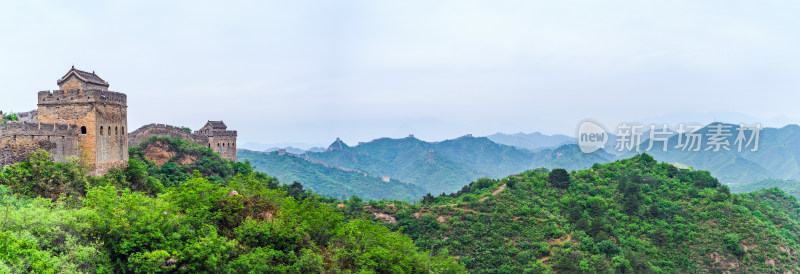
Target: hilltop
(633, 215)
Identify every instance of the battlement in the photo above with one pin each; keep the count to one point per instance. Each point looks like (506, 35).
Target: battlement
(158, 126)
(38, 129)
(221, 141)
(145, 132)
(224, 133)
(71, 96)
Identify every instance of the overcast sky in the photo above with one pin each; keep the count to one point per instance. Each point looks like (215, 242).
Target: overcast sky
(311, 71)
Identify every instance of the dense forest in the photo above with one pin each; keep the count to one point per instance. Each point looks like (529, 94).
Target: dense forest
(179, 207)
(205, 215)
(629, 216)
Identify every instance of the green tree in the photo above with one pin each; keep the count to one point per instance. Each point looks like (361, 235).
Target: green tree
(559, 178)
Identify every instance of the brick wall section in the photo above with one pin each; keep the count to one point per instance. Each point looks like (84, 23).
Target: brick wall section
(224, 143)
(143, 133)
(221, 141)
(18, 139)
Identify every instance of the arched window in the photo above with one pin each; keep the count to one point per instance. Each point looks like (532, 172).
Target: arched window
(123, 130)
(83, 130)
(209, 145)
(101, 130)
(116, 130)
(109, 131)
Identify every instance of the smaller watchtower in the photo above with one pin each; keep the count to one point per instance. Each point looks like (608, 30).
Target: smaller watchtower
(220, 139)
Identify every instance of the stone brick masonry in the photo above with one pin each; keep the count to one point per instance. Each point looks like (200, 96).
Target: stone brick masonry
(213, 135)
(83, 120)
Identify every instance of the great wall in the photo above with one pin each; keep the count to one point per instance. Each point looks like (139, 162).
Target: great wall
(214, 135)
(84, 121)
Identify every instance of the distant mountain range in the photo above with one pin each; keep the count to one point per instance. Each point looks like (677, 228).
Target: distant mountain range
(255, 146)
(532, 141)
(435, 167)
(448, 165)
(294, 150)
(777, 157)
(327, 180)
(791, 187)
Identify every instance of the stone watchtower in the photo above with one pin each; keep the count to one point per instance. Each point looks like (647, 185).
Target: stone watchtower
(100, 115)
(215, 135)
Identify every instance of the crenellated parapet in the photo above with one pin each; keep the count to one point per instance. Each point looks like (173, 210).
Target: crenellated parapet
(213, 135)
(145, 132)
(223, 133)
(38, 129)
(72, 96)
(18, 139)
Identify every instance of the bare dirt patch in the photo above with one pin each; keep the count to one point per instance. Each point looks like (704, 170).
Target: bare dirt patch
(158, 154)
(386, 218)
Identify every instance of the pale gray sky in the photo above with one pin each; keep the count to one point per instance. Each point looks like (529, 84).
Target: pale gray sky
(310, 71)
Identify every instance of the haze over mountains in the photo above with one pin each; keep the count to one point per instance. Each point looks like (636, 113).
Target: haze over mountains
(531, 141)
(414, 166)
(435, 167)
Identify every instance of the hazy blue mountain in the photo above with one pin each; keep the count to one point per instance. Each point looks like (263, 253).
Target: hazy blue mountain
(289, 149)
(408, 159)
(531, 141)
(570, 157)
(448, 165)
(316, 149)
(791, 187)
(256, 146)
(778, 155)
(329, 181)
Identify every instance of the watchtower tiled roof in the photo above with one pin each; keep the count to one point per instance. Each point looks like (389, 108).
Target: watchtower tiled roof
(217, 125)
(89, 77)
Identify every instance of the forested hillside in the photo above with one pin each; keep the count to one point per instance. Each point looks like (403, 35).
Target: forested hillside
(632, 216)
(330, 181)
(221, 217)
(435, 167)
